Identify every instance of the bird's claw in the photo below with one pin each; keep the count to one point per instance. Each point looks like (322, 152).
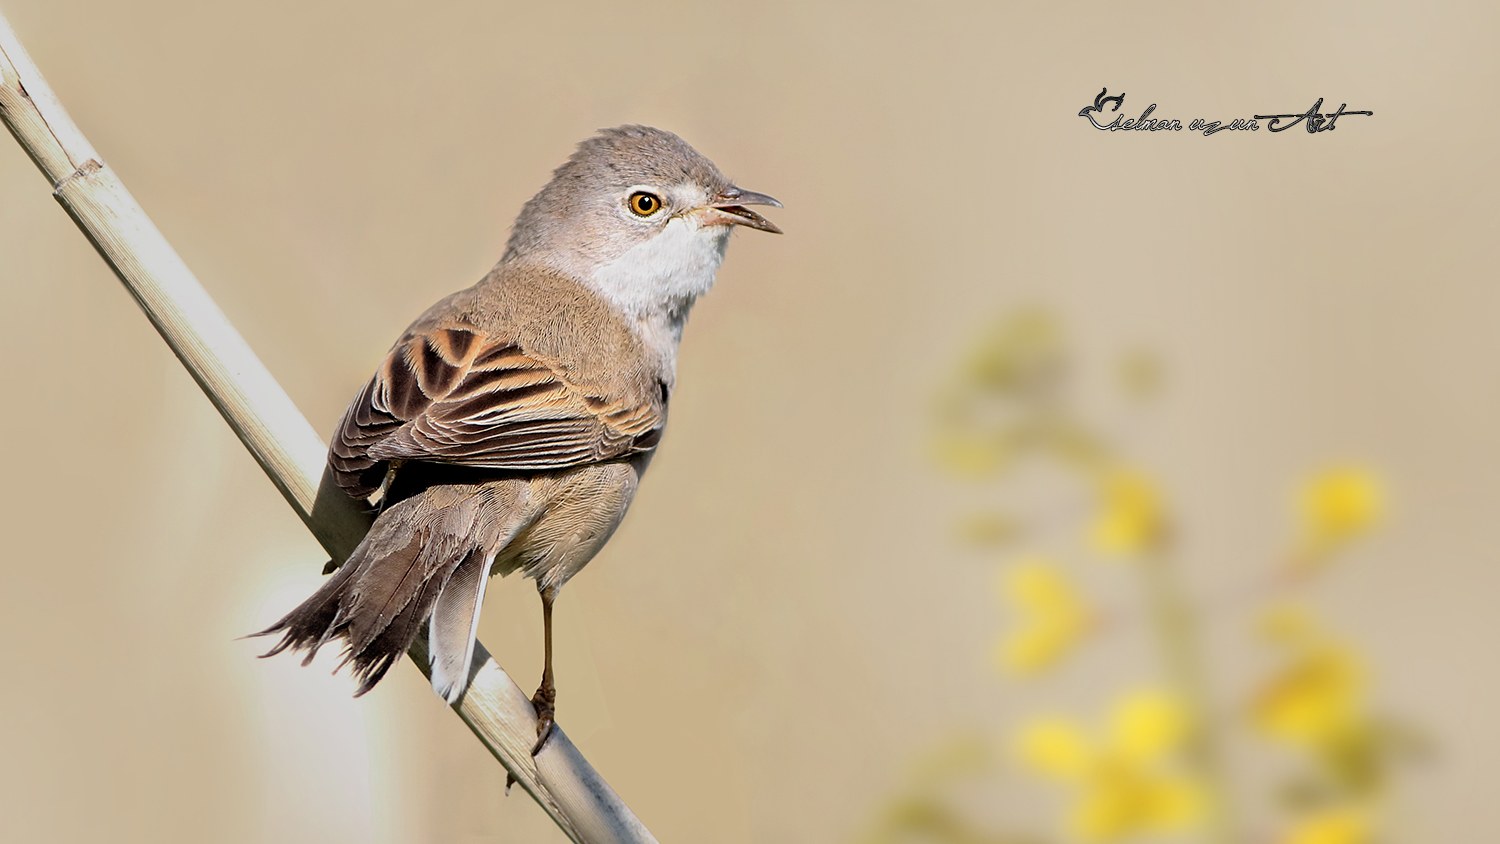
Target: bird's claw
(544, 732)
(543, 702)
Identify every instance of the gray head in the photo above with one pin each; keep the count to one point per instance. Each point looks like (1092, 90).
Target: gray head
(639, 215)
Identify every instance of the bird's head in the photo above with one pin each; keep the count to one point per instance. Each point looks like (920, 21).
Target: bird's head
(640, 216)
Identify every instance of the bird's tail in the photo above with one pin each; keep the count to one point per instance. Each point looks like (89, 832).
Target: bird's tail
(426, 559)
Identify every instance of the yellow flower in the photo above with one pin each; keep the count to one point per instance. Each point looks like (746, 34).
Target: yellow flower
(1053, 618)
(1128, 804)
(1055, 747)
(1317, 698)
(1338, 504)
(1126, 782)
(1146, 724)
(1131, 518)
(1342, 825)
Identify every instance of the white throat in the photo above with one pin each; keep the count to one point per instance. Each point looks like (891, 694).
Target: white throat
(655, 283)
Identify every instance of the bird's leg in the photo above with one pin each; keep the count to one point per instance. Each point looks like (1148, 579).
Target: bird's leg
(378, 497)
(545, 699)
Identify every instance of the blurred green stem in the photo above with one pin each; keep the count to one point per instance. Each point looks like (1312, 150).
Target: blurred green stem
(1178, 637)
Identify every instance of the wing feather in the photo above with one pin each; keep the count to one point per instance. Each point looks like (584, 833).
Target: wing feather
(454, 395)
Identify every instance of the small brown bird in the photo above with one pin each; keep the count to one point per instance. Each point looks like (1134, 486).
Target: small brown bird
(509, 426)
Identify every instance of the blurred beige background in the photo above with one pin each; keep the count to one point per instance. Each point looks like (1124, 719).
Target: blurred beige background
(785, 619)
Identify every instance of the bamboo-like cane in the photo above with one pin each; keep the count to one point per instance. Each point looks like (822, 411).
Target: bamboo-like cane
(276, 433)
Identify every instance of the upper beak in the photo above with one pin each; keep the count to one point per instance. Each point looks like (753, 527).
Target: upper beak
(728, 209)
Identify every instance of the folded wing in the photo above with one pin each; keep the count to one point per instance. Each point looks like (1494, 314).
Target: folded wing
(454, 395)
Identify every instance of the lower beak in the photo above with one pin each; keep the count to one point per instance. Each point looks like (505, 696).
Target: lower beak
(728, 209)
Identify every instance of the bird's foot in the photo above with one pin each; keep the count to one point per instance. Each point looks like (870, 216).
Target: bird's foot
(545, 702)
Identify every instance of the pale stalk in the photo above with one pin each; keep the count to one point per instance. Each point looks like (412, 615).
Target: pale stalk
(1177, 635)
(275, 432)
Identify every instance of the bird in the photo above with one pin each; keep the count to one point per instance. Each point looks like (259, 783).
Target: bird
(509, 426)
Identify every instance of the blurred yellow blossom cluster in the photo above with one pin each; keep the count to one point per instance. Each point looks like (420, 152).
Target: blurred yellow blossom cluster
(1128, 780)
(1051, 616)
(1318, 697)
(1334, 826)
(1317, 703)
(1158, 765)
(1336, 505)
(1131, 519)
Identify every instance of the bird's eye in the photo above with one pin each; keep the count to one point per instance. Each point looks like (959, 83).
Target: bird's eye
(645, 204)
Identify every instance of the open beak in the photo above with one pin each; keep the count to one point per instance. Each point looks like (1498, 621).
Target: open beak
(728, 209)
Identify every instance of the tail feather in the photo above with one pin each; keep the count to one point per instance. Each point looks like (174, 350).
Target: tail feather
(380, 647)
(454, 625)
(440, 540)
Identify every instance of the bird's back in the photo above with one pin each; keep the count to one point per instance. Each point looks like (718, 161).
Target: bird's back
(561, 321)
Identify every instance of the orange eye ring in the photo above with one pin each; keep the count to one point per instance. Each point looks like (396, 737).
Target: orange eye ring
(644, 204)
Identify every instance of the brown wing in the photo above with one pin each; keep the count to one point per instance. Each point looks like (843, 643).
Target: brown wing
(454, 395)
